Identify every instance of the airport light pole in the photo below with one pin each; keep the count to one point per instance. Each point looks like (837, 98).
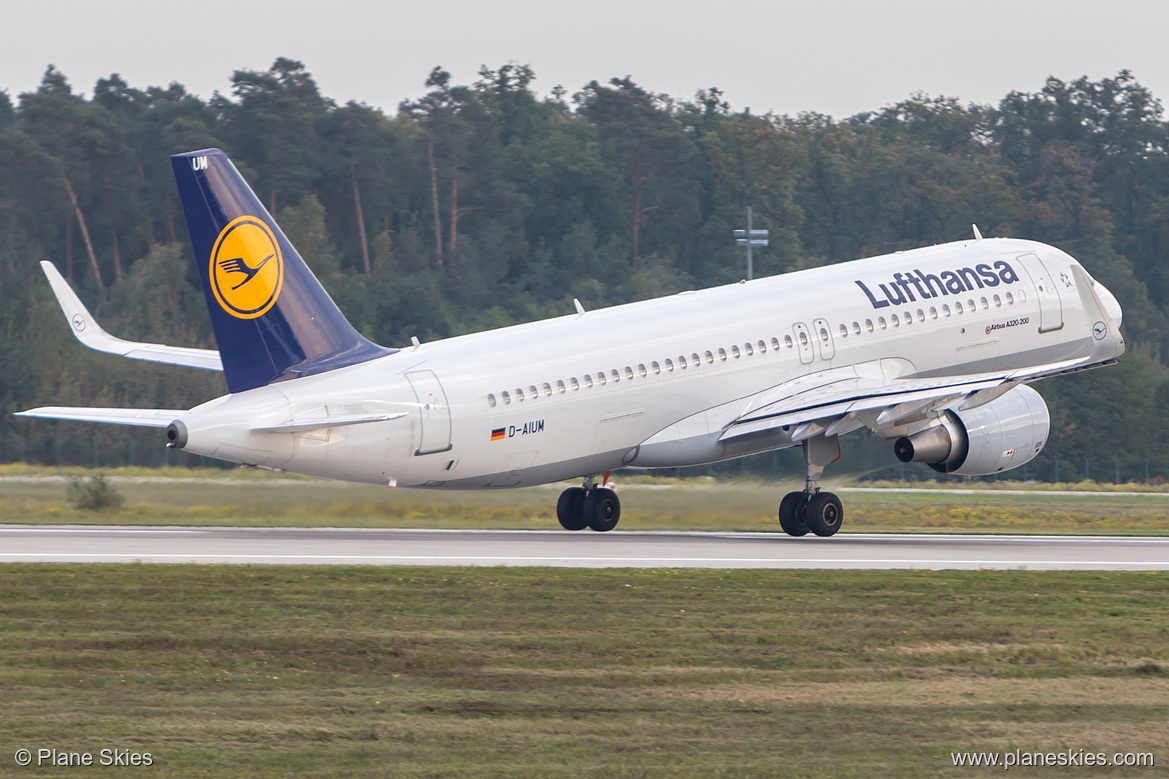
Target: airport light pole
(750, 238)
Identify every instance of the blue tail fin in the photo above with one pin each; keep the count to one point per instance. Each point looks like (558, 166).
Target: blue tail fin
(273, 320)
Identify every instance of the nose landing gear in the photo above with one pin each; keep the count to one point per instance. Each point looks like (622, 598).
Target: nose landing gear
(813, 510)
(588, 506)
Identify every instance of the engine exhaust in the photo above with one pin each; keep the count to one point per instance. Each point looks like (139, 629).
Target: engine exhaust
(943, 447)
(176, 435)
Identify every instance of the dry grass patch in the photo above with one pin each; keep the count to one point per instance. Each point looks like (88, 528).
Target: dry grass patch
(269, 500)
(278, 671)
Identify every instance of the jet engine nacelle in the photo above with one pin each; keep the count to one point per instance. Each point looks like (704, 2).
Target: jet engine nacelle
(996, 436)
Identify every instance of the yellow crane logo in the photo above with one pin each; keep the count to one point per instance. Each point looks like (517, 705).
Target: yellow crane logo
(247, 268)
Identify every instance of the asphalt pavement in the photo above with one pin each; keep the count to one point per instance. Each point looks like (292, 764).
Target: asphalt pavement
(586, 549)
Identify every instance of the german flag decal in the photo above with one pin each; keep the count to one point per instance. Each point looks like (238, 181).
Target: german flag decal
(498, 433)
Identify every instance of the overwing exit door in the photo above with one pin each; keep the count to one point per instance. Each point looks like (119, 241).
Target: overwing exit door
(803, 342)
(824, 339)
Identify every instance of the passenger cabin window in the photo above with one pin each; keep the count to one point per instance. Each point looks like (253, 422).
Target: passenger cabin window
(616, 376)
(856, 328)
(547, 389)
(694, 359)
(735, 352)
(844, 331)
(762, 346)
(869, 325)
(669, 365)
(709, 357)
(532, 392)
(775, 344)
(945, 310)
(560, 386)
(787, 341)
(895, 320)
(803, 338)
(681, 361)
(957, 306)
(657, 368)
(641, 368)
(601, 378)
(575, 384)
(823, 335)
(722, 354)
(985, 305)
(588, 380)
(998, 302)
(519, 394)
(1010, 298)
(628, 372)
(920, 315)
(747, 348)
(933, 313)
(881, 321)
(506, 397)
(491, 400)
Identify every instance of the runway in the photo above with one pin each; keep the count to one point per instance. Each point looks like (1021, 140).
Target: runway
(562, 549)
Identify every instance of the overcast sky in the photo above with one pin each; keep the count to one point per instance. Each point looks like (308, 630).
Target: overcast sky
(837, 58)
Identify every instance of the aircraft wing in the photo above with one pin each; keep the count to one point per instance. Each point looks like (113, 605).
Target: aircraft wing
(137, 417)
(90, 333)
(841, 400)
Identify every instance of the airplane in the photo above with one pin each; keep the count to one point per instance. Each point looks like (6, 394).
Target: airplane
(932, 348)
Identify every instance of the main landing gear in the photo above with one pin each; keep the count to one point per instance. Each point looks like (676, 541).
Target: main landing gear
(588, 506)
(812, 510)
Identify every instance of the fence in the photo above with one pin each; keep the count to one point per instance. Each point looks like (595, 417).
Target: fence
(131, 448)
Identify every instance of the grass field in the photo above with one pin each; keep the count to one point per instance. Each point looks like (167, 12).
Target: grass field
(283, 671)
(260, 498)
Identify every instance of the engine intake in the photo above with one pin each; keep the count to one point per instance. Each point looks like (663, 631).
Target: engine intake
(996, 436)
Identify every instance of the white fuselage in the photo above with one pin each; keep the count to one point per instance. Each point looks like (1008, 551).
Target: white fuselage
(647, 384)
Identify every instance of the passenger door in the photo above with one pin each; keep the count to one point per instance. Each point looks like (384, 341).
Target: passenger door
(1047, 288)
(434, 411)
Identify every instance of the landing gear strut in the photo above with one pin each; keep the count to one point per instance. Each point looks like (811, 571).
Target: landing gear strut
(812, 510)
(588, 506)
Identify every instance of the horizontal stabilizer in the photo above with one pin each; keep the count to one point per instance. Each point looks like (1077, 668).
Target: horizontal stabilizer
(136, 417)
(323, 422)
(90, 333)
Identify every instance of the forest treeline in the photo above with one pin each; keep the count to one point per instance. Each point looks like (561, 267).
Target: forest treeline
(487, 204)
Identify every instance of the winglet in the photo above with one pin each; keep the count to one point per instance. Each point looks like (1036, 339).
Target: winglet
(1107, 335)
(977, 235)
(86, 329)
(579, 308)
